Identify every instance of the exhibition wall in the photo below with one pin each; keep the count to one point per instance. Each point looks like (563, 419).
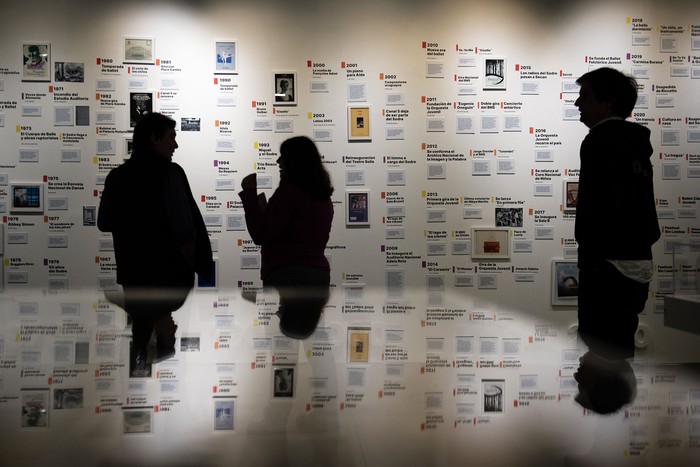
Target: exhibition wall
(451, 135)
(470, 123)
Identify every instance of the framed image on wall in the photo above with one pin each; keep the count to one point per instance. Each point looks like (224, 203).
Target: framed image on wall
(359, 128)
(490, 243)
(564, 282)
(36, 61)
(357, 208)
(225, 57)
(283, 381)
(285, 83)
(140, 105)
(358, 345)
(494, 77)
(570, 194)
(493, 396)
(27, 198)
(224, 413)
(140, 50)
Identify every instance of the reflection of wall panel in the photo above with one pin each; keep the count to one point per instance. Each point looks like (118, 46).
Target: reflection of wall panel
(368, 382)
(446, 156)
(421, 70)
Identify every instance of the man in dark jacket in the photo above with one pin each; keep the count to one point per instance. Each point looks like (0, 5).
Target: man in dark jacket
(616, 221)
(160, 239)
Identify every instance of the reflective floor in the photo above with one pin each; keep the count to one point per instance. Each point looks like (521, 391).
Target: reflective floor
(415, 380)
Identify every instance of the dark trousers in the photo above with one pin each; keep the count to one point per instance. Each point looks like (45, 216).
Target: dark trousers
(303, 294)
(608, 305)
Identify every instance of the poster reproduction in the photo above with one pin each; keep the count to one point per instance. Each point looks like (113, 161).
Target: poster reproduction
(36, 62)
(140, 105)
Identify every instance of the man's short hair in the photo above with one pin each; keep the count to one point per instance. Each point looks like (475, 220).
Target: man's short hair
(154, 124)
(610, 85)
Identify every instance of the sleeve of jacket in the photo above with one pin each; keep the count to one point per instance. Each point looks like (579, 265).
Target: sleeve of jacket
(107, 212)
(203, 257)
(269, 225)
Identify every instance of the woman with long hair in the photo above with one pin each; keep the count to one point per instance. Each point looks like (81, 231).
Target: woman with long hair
(293, 229)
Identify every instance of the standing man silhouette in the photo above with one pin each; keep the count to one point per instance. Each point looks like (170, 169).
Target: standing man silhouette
(160, 239)
(616, 222)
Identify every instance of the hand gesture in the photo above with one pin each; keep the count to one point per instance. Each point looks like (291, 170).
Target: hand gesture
(250, 182)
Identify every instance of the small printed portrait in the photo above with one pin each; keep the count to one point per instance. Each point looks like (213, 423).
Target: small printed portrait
(35, 56)
(493, 396)
(283, 380)
(285, 88)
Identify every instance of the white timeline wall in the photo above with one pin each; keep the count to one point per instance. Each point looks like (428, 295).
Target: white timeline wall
(445, 152)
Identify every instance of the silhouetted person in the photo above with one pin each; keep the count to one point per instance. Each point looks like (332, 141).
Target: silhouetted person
(160, 239)
(616, 223)
(604, 386)
(293, 229)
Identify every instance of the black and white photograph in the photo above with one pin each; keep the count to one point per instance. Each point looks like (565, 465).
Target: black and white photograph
(285, 88)
(69, 72)
(190, 124)
(140, 50)
(89, 216)
(140, 105)
(493, 395)
(494, 74)
(137, 420)
(36, 57)
(509, 217)
(67, 398)
(283, 382)
(189, 344)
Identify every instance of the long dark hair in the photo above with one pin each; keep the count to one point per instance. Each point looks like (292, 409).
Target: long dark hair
(303, 168)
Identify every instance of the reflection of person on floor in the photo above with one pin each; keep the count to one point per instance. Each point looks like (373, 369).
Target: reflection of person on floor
(604, 386)
(616, 222)
(159, 235)
(293, 229)
(283, 381)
